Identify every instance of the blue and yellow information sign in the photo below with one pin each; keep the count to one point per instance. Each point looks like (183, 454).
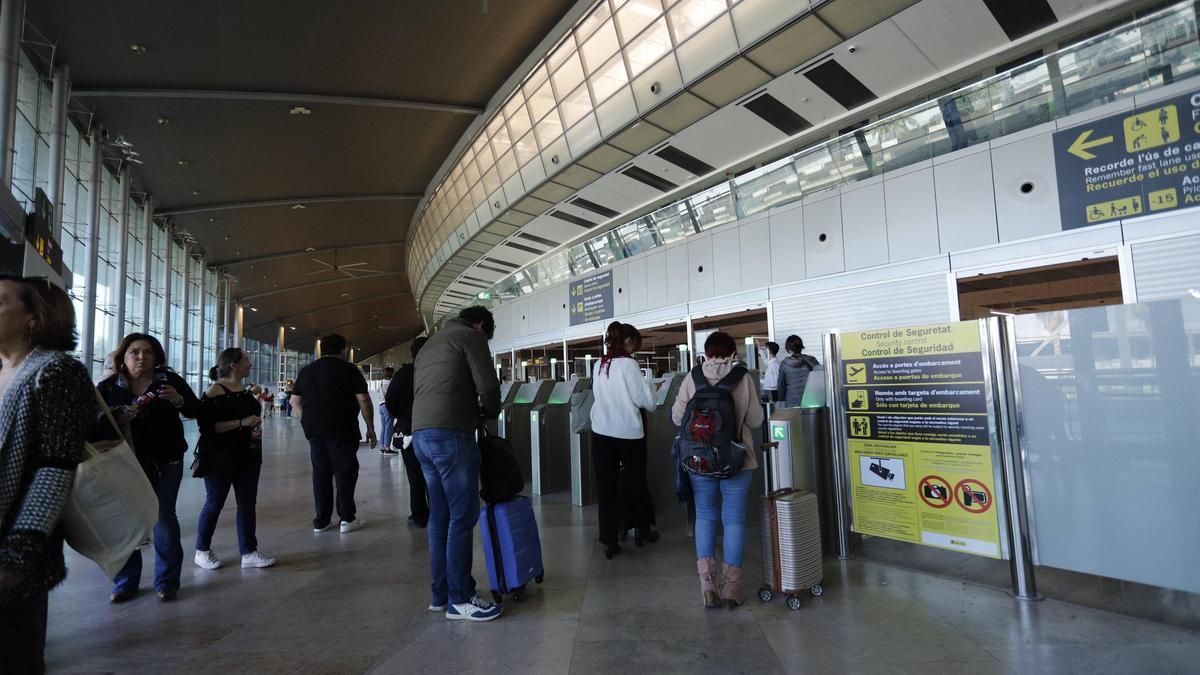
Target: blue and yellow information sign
(1139, 162)
(591, 298)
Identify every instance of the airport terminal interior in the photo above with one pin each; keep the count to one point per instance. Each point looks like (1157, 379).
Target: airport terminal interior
(953, 244)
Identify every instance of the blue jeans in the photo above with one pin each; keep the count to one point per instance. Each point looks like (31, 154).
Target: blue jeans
(167, 548)
(724, 501)
(450, 461)
(244, 481)
(385, 428)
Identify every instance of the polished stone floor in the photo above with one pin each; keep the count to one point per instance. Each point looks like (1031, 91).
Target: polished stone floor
(356, 603)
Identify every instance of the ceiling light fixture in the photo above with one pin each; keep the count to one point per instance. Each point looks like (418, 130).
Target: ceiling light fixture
(138, 49)
(300, 110)
(182, 162)
(291, 328)
(309, 249)
(163, 121)
(226, 237)
(196, 193)
(298, 207)
(253, 309)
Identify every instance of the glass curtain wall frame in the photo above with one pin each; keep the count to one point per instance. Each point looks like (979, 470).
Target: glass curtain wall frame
(1164, 45)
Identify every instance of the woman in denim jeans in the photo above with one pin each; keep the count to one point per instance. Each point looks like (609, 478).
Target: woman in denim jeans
(716, 499)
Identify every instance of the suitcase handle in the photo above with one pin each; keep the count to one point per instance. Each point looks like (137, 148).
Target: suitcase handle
(766, 447)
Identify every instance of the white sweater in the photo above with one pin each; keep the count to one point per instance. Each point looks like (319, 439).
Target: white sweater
(620, 393)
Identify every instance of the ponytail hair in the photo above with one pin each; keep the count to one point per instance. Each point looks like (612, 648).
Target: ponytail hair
(214, 374)
(615, 337)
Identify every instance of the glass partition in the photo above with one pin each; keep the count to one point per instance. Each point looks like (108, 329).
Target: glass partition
(1110, 412)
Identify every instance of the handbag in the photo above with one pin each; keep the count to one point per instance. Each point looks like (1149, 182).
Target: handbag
(209, 457)
(112, 507)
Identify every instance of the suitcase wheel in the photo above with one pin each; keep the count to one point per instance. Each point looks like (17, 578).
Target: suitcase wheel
(793, 602)
(517, 592)
(816, 590)
(497, 597)
(765, 594)
(540, 577)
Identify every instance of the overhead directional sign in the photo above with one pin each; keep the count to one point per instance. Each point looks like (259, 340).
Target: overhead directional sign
(591, 298)
(1135, 163)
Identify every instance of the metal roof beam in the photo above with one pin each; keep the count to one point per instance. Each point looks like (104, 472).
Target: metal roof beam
(275, 97)
(283, 201)
(307, 251)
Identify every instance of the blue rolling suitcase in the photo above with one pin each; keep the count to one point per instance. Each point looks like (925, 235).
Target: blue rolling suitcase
(511, 547)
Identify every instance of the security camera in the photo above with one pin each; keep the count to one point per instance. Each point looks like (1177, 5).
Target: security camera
(655, 88)
(852, 49)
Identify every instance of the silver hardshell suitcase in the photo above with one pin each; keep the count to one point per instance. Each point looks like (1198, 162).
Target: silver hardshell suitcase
(791, 543)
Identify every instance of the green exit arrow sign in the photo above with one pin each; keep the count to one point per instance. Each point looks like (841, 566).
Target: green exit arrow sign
(778, 433)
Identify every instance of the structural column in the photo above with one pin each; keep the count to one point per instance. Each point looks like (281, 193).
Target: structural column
(148, 262)
(12, 23)
(238, 325)
(55, 182)
(122, 250)
(166, 311)
(202, 368)
(184, 301)
(87, 332)
(279, 356)
(227, 324)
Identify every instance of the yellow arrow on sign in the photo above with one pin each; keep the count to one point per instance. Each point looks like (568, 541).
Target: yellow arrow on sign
(1081, 145)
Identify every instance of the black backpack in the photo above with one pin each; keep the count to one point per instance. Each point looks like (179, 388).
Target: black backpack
(499, 474)
(709, 438)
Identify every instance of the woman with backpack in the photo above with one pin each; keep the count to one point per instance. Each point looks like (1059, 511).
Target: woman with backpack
(620, 394)
(721, 499)
(230, 456)
(794, 372)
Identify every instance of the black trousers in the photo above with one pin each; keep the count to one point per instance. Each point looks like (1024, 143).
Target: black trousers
(334, 461)
(623, 498)
(418, 497)
(23, 635)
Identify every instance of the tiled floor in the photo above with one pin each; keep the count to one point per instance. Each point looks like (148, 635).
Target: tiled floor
(355, 603)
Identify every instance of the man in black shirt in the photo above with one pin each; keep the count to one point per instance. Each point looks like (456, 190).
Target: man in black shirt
(399, 402)
(328, 396)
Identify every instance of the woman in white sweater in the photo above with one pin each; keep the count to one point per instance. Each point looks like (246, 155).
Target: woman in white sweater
(618, 438)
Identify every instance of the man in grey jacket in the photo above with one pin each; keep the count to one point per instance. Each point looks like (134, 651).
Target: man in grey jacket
(453, 387)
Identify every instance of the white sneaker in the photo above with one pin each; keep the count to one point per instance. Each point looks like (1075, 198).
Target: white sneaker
(318, 530)
(477, 609)
(256, 559)
(352, 525)
(207, 560)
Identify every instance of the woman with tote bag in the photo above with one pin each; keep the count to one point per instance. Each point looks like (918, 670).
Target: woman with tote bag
(47, 405)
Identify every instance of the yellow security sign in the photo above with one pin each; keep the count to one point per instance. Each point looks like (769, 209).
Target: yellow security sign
(1151, 128)
(856, 373)
(1145, 160)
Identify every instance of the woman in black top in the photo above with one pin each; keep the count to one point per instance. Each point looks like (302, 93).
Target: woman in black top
(148, 399)
(231, 444)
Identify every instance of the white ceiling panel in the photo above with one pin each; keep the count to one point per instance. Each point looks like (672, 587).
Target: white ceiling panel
(554, 229)
(951, 32)
(622, 190)
(668, 171)
(800, 94)
(885, 59)
(726, 136)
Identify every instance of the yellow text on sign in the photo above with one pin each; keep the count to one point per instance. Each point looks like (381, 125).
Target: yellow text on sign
(1151, 129)
(1163, 199)
(1117, 208)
